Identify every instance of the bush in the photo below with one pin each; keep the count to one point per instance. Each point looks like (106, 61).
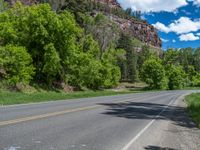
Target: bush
(153, 74)
(15, 64)
(196, 80)
(176, 77)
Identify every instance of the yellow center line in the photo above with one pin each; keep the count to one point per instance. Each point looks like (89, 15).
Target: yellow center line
(31, 118)
(14, 121)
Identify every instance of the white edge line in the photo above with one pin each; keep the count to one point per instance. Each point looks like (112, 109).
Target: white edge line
(146, 127)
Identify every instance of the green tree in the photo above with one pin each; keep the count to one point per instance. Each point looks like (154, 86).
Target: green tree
(104, 31)
(171, 57)
(128, 67)
(196, 58)
(153, 73)
(52, 64)
(176, 77)
(128, 11)
(186, 58)
(143, 56)
(196, 80)
(15, 65)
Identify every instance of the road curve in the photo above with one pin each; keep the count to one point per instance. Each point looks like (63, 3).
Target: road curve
(151, 121)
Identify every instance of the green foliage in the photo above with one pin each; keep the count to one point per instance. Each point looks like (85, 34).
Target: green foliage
(111, 73)
(171, 57)
(3, 6)
(196, 59)
(129, 66)
(186, 58)
(90, 46)
(193, 102)
(52, 64)
(153, 73)
(43, 33)
(196, 80)
(176, 77)
(144, 55)
(191, 73)
(104, 31)
(99, 56)
(15, 64)
(59, 50)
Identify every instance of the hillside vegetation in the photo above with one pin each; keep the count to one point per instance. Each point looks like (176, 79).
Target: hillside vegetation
(70, 49)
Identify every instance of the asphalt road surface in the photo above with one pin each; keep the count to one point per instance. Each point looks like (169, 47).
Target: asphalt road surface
(149, 121)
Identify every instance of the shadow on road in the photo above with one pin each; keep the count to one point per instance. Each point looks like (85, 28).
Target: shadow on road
(158, 148)
(138, 110)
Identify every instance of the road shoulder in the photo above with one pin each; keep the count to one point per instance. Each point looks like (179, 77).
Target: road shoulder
(174, 130)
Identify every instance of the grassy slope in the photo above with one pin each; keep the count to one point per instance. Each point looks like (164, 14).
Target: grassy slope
(9, 98)
(193, 102)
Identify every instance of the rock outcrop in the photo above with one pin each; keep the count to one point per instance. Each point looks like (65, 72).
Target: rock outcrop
(111, 3)
(139, 29)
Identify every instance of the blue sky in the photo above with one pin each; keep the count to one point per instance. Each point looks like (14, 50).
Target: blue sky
(177, 21)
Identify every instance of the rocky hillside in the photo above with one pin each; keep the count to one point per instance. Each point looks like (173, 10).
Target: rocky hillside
(139, 29)
(111, 3)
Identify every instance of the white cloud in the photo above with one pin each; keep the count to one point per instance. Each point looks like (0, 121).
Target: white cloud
(188, 37)
(180, 26)
(198, 34)
(195, 2)
(174, 41)
(164, 40)
(161, 27)
(153, 5)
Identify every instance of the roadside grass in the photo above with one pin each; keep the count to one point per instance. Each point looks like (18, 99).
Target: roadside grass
(38, 94)
(10, 97)
(191, 88)
(193, 102)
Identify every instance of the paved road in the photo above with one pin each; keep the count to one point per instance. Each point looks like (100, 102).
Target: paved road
(150, 121)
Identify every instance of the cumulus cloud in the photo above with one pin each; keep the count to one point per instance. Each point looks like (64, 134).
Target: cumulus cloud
(188, 37)
(180, 26)
(153, 5)
(164, 40)
(195, 2)
(161, 27)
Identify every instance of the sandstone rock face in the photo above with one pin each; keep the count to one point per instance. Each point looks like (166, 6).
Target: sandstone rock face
(111, 3)
(138, 29)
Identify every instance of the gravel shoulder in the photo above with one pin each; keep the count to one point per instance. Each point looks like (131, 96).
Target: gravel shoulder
(173, 131)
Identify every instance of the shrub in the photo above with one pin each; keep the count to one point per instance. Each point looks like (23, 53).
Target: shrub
(153, 73)
(15, 62)
(176, 77)
(196, 80)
